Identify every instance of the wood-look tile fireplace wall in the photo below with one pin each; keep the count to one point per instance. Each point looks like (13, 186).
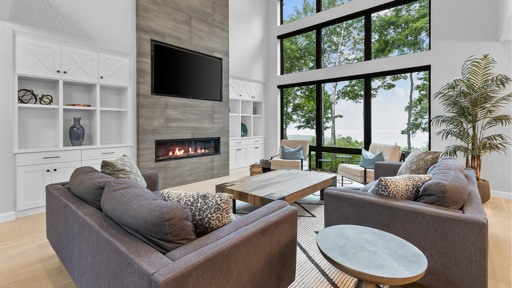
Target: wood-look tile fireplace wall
(198, 25)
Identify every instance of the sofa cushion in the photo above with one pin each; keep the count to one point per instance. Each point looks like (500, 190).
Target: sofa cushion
(369, 159)
(418, 162)
(123, 168)
(164, 226)
(405, 187)
(448, 187)
(210, 211)
(88, 184)
(288, 153)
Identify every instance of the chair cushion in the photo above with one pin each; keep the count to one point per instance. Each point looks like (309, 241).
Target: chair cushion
(369, 159)
(286, 163)
(164, 226)
(123, 168)
(390, 152)
(401, 187)
(88, 184)
(210, 211)
(288, 153)
(448, 187)
(355, 172)
(418, 162)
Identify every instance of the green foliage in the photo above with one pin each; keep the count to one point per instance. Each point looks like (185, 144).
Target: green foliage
(473, 105)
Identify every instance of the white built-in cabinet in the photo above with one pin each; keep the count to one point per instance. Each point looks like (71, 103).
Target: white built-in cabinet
(71, 75)
(246, 105)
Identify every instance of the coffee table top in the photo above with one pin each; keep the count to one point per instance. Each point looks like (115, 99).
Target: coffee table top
(284, 184)
(372, 255)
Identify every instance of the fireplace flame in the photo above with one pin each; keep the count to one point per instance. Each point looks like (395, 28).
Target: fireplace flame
(179, 152)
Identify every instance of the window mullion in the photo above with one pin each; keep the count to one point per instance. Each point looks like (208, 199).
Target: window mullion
(368, 37)
(367, 111)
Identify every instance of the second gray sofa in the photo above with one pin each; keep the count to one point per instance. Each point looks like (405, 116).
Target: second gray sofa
(257, 250)
(455, 242)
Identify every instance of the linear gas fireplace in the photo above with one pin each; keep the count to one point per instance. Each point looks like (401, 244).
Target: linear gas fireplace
(186, 148)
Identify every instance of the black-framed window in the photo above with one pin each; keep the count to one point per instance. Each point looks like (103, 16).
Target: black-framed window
(292, 10)
(342, 115)
(392, 29)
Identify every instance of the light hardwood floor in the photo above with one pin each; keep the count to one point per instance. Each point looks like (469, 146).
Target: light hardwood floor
(27, 259)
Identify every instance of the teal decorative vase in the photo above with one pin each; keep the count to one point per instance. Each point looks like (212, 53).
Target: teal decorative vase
(76, 132)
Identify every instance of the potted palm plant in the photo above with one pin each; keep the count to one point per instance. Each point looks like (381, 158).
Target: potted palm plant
(472, 105)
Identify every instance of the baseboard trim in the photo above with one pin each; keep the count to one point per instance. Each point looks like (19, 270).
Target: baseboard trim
(500, 194)
(6, 217)
(30, 212)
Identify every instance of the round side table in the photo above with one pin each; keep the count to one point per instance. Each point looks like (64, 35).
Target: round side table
(324, 160)
(372, 256)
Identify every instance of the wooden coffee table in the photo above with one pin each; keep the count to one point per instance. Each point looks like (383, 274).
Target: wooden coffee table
(372, 256)
(285, 184)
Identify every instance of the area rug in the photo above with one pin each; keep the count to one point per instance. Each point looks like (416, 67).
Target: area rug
(312, 269)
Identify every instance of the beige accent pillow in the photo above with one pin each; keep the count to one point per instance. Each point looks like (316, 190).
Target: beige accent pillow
(123, 168)
(418, 162)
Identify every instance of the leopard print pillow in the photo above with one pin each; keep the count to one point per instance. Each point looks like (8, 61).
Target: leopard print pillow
(402, 187)
(210, 211)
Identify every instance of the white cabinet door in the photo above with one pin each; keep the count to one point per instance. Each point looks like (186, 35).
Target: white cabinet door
(241, 157)
(258, 153)
(61, 172)
(31, 184)
(257, 92)
(233, 158)
(251, 155)
(38, 58)
(234, 89)
(245, 90)
(79, 64)
(114, 70)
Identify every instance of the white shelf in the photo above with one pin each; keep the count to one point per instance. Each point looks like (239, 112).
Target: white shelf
(233, 114)
(114, 109)
(83, 147)
(78, 108)
(38, 106)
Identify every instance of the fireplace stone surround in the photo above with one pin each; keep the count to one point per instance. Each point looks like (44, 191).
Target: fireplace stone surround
(197, 27)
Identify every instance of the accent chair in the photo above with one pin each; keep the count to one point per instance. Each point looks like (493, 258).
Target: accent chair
(358, 173)
(278, 163)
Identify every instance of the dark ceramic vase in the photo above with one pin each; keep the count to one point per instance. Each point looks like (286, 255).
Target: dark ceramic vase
(76, 132)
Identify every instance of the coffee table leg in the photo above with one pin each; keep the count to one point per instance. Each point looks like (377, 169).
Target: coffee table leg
(364, 284)
(322, 194)
(234, 206)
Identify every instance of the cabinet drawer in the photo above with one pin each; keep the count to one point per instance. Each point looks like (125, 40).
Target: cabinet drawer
(256, 141)
(47, 157)
(105, 153)
(240, 142)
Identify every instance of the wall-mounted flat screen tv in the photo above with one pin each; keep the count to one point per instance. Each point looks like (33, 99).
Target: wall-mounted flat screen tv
(179, 72)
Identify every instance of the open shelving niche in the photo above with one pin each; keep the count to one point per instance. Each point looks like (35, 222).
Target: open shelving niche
(44, 127)
(242, 111)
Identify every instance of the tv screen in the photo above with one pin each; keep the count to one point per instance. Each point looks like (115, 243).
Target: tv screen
(183, 73)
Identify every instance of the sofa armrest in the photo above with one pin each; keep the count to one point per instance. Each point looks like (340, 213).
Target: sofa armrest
(446, 236)
(386, 169)
(259, 254)
(152, 178)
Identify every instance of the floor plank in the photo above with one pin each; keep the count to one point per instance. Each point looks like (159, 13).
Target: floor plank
(27, 259)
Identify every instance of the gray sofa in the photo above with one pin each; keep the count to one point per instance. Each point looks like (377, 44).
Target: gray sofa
(455, 242)
(257, 250)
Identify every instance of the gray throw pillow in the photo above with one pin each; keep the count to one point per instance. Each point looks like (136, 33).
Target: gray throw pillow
(210, 211)
(405, 187)
(88, 184)
(123, 168)
(448, 187)
(418, 162)
(164, 226)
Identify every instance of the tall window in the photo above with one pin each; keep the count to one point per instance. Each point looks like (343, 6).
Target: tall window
(299, 113)
(376, 33)
(297, 9)
(400, 110)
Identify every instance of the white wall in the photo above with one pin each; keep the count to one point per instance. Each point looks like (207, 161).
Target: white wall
(460, 28)
(247, 39)
(105, 24)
